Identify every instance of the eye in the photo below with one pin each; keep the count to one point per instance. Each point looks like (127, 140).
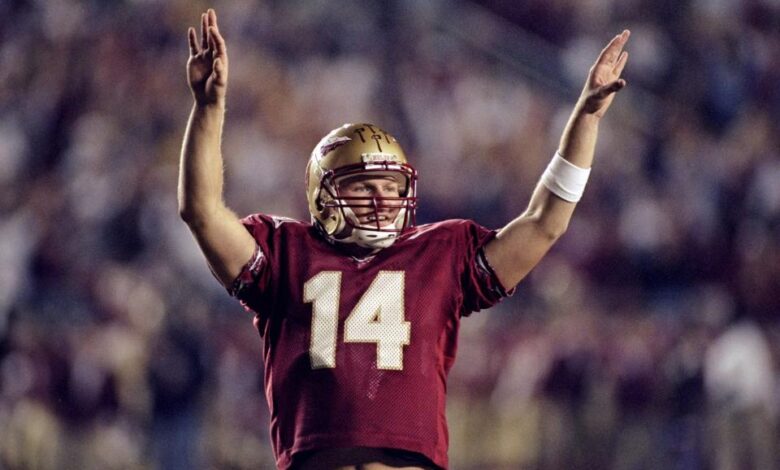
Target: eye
(357, 188)
(391, 188)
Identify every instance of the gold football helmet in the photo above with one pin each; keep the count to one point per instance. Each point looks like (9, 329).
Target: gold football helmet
(359, 150)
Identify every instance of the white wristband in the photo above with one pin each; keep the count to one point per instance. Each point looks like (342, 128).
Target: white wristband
(565, 179)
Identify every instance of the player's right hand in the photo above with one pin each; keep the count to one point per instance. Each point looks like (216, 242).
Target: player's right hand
(604, 77)
(207, 67)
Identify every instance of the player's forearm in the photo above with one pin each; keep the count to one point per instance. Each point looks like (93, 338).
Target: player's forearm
(549, 213)
(201, 167)
(578, 141)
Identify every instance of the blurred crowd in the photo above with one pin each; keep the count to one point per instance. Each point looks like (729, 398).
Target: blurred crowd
(647, 338)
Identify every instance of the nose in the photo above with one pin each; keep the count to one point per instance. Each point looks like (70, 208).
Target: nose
(387, 205)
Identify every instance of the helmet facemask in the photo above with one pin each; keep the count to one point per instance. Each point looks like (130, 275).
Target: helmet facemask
(387, 216)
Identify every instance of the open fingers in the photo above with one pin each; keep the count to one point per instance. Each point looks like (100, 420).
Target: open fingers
(212, 43)
(204, 32)
(192, 39)
(213, 30)
(218, 43)
(621, 63)
(611, 53)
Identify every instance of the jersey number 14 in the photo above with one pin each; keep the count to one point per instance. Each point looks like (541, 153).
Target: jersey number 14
(377, 318)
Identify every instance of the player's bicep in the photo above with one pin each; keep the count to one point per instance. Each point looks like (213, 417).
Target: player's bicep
(226, 244)
(522, 243)
(517, 248)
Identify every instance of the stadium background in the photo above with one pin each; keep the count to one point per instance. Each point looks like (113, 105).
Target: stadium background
(646, 339)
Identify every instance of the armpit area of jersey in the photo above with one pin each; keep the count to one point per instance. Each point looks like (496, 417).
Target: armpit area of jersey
(487, 271)
(249, 273)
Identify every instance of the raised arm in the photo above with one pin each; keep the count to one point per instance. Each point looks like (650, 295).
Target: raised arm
(223, 239)
(521, 244)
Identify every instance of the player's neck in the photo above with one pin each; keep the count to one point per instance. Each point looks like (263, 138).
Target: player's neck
(356, 251)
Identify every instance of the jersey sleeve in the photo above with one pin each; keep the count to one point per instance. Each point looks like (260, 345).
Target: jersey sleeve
(481, 287)
(252, 284)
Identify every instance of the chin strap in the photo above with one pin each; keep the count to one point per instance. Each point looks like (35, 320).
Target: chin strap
(368, 238)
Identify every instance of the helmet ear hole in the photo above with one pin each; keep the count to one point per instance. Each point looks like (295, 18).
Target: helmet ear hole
(321, 196)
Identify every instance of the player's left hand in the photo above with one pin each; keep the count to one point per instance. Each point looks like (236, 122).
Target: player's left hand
(604, 77)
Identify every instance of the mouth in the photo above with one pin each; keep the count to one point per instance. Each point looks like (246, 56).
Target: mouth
(372, 218)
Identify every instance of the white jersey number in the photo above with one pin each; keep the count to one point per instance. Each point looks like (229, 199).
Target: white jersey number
(377, 318)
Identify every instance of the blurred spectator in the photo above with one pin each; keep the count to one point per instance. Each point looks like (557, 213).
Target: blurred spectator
(741, 388)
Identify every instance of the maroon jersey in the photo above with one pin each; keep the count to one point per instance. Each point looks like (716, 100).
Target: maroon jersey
(357, 352)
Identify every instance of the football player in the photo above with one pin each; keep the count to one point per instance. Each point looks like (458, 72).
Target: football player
(359, 308)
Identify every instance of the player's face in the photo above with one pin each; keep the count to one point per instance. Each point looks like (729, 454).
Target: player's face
(367, 186)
